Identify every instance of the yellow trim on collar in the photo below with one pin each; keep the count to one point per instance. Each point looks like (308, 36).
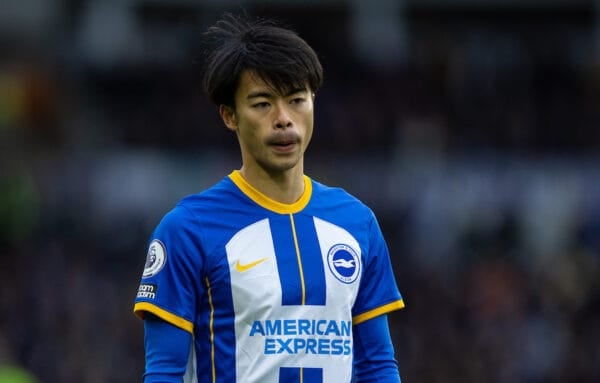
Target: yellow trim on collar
(396, 305)
(268, 203)
(141, 307)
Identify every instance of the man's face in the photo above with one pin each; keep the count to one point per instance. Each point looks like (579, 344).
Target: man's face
(273, 129)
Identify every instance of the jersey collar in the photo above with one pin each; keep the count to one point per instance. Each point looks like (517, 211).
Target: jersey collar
(268, 203)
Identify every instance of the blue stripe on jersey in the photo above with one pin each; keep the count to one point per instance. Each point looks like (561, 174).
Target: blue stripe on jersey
(217, 333)
(289, 375)
(312, 375)
(300, 375)
(301, 270)
(290, 277)
(312, 261)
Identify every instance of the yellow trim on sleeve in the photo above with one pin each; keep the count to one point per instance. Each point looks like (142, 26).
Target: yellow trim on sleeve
(141, 307)
(268, 203)
(396, 305)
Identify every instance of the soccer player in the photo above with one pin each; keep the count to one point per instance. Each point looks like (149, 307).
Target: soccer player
(268, 276)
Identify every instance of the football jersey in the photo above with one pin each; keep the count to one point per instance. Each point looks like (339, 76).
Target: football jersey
(269, 291)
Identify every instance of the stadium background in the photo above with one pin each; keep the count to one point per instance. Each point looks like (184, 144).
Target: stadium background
(472, 128)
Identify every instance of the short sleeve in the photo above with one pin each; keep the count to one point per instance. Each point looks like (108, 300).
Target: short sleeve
(378, 293)
(169, 284)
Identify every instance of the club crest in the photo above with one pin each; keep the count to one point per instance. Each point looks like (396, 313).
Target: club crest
(344, 263)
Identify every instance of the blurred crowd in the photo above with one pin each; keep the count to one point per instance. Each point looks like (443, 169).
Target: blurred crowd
(481, 134)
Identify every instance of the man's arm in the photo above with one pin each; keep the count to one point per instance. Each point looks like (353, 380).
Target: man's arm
(374, 360)
(167, 350)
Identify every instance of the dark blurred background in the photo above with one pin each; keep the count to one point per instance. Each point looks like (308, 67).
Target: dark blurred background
(471, 127)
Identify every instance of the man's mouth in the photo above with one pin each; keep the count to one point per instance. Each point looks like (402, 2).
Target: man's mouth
(284, 141)
(284, 145)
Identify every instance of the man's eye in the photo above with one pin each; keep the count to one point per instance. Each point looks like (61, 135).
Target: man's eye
(261, 105)
(297, 100)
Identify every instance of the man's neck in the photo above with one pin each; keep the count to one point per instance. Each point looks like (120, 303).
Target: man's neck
(284, 187)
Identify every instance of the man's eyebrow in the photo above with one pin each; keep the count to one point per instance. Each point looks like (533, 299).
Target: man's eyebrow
(265, 94)
(258, 94)
(296, 90)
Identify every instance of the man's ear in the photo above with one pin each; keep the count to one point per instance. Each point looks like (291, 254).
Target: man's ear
(228, 115)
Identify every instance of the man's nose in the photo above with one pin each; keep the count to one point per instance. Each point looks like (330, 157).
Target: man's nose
(282, 117)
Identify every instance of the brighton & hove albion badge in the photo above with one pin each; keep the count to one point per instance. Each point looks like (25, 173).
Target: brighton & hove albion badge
(344, 263)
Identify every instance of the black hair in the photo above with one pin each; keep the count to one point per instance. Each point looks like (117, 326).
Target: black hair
(277, 55)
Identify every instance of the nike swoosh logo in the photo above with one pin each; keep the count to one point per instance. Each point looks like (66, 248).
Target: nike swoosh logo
(241, 268)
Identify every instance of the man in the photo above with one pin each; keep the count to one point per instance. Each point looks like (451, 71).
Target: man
(268, 276)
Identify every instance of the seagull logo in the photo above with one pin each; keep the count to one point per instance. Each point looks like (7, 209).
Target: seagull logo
(347, 264)
(344, 263)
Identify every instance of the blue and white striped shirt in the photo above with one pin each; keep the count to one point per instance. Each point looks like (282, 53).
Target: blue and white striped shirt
(269, 291)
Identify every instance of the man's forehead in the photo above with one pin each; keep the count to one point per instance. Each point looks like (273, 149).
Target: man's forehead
(251, 82)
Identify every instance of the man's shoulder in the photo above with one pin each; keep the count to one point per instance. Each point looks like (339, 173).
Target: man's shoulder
(335, 193)
(202, 204)
(218, 194)
(337, 198)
